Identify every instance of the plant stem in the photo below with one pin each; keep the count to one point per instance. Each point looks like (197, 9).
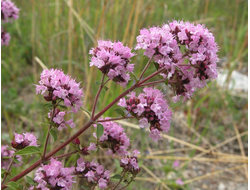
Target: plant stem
(120, 180)
(48, 134)
(156, 82)
(97, 95)
(126, 185)
(8, 171)
(151, 76)
(67, 154)
(84, 128)
(147, 65)
(183, 65)
(117, 118)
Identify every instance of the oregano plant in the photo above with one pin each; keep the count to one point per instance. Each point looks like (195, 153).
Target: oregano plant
(184, 56)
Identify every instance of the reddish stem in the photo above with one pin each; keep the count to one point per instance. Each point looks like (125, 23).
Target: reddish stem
(156, 82)
(97, 95)
(113, 119)
(84, 128)
(147, 65)
(67, 154)
(151, 76)
(8, 171)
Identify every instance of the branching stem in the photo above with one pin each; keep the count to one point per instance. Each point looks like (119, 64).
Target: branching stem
(8, 171)
(146, 67)
(97, 95)
(84, 128)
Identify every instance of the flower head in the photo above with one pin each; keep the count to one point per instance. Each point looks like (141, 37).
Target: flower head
(8, 11)
(23, 140)
(93, 173)
(54, 176)
(179, 181)
(176, 163)
(5, 157)
(60, 87)
(160, 43)
(58, 119)
(130, 163)
(5, 37)
(188, 53)
(114, 138)
(200, 53)
(113, 59)
(151, 109)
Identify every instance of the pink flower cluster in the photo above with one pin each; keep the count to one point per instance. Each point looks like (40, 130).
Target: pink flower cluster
(8, 12)
(160, 43)
(60, 87)
(113, 138)
(5, 37)
(5, 157)
(188, 69)
(23, 140)
(58, 119)
(151, 108)
(93, 173)
(130, 163)
(201, 54)
(84, 150)
(113, 60)
(54, 176)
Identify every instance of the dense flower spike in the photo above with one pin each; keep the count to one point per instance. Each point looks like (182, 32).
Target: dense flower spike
(5, 37)
(8, 11)
(188, 68)
(149, 108)
(160, 43)
(23, 140)
(60, 87)
(201, 54)
(54, 176)
(58, 119)
(113, 60)
(5, 157)
(130, 163)
(113, 138)
(93, 173)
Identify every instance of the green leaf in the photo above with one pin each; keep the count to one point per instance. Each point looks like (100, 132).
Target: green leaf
(28, 150)
(53, 133)
(116, 176)
(160, 77)
(30, 180)
(48, 105)
(13, 185)
(47, 118)
(134, 77)
(99, 130)
(120, 111)
(98, 82)
(45, 124)
(166, 82)
(156, 65)
(105, 88)
(85, 187)
(16, 160)
(63, 107)
(3, 171)
(86, 111)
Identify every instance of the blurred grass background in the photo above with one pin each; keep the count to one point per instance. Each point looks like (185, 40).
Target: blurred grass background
(60, 34)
